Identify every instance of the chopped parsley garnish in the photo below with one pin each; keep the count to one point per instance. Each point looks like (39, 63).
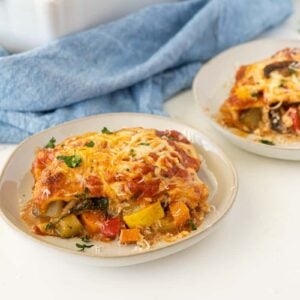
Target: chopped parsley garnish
(192, 224)
(105, 130)
(82, 247)
(267, 142)
(132, 153)
(90, 144)
(49, 226)
(254, 94)
(51, 143)
(144, 144)
(86, 239)
(71, 161)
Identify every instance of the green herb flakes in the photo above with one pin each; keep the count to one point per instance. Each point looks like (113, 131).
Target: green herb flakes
(132, 153)
(86, 239)
(71, 161)
(192, 224)
(49, 226)
(267, 142)
(82, 247)
(51, 143)
(106, 131)
(90, 144)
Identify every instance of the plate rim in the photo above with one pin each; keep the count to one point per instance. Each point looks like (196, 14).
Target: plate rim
(224, 130)
(88, 255)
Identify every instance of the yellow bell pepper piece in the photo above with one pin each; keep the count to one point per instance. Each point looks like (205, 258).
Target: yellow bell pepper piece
(167, 225)
(146, 216)
(69, 226)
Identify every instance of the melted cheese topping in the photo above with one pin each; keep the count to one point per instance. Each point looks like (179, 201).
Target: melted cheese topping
(254, 88)
(133, 163)
(261, 96)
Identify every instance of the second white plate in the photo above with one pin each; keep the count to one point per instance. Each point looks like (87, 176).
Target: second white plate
(215, 79)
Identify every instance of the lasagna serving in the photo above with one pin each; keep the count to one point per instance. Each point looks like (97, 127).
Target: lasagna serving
(265, 98)
(135, 185)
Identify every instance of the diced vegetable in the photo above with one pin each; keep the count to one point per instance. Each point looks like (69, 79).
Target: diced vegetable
(146, 216)
(45, 228)
(283, 67)
(251, 118)
(111, 227)
(293, 113)
(55, 208)
(129, 236)
(180, 212)
(92, 221)
(167, 225)
(68, 226)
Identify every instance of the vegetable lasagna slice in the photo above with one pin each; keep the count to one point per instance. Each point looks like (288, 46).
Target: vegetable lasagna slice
(136, 185)
(265, 98)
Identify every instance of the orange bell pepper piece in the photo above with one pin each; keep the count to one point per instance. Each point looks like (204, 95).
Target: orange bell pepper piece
(92, 221)
(180, 213)
(129, 236)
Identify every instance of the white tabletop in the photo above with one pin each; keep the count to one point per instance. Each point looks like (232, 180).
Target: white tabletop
(255, 254)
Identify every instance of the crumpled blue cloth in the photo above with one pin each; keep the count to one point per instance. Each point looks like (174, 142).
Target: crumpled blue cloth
(132, 64)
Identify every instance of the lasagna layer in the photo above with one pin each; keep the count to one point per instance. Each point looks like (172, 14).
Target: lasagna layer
(115, 175)
(265, 95)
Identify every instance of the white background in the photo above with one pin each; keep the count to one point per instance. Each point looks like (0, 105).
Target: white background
(254, 254)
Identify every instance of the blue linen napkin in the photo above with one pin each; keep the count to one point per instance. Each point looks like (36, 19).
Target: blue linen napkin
(132, 64)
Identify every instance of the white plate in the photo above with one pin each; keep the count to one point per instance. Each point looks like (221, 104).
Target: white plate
(16, 186)
(213, 83)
